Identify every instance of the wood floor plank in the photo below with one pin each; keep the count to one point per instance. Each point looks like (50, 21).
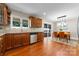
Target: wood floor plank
(44, 49)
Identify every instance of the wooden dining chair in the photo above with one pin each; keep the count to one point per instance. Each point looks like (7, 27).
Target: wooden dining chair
(61, 35)
(67, 36)
(56, 34)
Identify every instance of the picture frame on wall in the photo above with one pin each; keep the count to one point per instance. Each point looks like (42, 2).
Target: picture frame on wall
(16, 22)
(24, 23)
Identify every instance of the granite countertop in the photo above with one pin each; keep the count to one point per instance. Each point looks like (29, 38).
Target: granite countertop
(2, 34)
(16, 32)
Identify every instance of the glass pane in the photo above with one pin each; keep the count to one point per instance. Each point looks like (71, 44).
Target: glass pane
(45, 25)
(1, 15)
(49, 26)
(16, 22)
(25, 23)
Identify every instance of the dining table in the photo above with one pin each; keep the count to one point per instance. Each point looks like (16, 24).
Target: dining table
(62, 35)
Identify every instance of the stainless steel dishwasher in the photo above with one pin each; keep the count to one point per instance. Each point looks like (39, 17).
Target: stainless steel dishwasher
(33, 37)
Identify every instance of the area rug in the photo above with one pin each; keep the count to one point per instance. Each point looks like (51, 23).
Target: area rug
(70, 42)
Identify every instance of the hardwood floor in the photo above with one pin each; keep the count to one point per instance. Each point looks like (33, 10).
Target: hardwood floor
(44, 49)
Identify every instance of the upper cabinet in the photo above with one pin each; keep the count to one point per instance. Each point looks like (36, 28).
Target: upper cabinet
(4, 14)
(35, 22)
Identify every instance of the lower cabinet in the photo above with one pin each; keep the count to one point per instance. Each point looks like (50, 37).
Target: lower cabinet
(1, 46)
(2, 50)
(8, 41)
(14, 40)
(25, 39)
(40, 36)
(17, 40)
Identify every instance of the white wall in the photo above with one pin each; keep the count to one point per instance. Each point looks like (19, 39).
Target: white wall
(54, 24)
(72, 27)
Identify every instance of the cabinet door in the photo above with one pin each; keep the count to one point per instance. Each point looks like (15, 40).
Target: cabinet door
(33, 22)
(40, 36)
(17, 40)
(39, 23)
(0, 49)
(8, 41)
(5, 16)
(1, 46)
(25, 39)
(1, 15)
(36, 22)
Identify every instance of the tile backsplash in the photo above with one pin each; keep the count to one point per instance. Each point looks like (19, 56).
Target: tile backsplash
(20, 30)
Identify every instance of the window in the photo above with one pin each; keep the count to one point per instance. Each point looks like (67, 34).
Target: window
(16, 22)
(24, 23)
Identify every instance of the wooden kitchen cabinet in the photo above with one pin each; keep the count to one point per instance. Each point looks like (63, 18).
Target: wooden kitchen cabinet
(40, 36)
(8, 41)
(17, 40)
(25, 39)
(21, 39)
(35, 22)
(1, 14)
(13, 40)
(40, 22)
(2, 47)
(4, 14)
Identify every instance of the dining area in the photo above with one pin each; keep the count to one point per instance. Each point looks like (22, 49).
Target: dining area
(61, 29)
(65, 36)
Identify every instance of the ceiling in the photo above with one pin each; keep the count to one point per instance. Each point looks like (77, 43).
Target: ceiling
(48, 11)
